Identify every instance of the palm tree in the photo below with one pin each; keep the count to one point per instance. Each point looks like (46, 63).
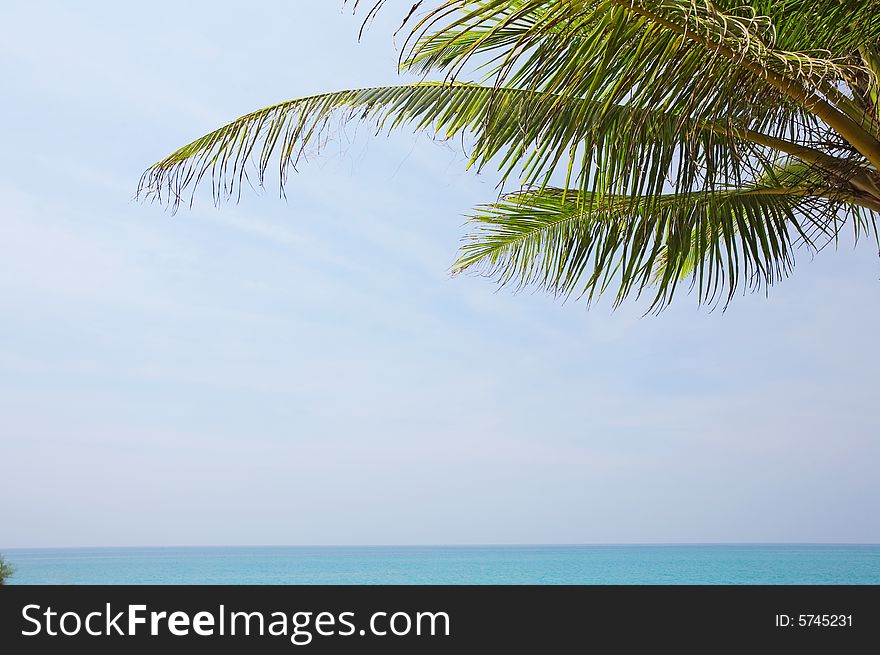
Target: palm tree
(653, 144)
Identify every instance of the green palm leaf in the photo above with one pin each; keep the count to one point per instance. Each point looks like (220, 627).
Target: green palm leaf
(575, 245)
(526, 133)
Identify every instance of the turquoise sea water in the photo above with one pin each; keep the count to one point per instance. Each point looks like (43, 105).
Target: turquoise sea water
(606, 564)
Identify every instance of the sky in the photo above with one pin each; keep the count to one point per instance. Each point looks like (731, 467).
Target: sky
(306, 371)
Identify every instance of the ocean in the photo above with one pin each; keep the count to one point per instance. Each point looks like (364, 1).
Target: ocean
(589, 564)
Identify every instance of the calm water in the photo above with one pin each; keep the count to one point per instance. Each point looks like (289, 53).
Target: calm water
(675, 564)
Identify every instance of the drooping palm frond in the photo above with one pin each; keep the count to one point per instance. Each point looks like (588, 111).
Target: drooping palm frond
(698, 140)
(530, 134)
(579, 246)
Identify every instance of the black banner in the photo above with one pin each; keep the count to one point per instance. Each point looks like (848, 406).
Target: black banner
(436, 619)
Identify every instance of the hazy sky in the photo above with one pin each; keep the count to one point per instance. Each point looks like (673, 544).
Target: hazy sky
(307, 372)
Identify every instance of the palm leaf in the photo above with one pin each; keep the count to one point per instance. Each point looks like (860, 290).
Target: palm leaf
(524, 133)
(576, 245)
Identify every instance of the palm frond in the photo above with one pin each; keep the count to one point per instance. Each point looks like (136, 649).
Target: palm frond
(286, 130)
(606, 148)
(580, 246)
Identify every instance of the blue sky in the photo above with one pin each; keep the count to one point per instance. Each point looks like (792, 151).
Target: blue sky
(307, 372)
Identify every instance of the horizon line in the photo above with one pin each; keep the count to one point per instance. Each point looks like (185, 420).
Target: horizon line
(454, 545)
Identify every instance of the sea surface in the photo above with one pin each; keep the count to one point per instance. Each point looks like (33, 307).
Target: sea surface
(605, 564)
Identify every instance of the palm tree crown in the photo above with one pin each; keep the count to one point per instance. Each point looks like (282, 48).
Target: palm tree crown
(700, 143)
